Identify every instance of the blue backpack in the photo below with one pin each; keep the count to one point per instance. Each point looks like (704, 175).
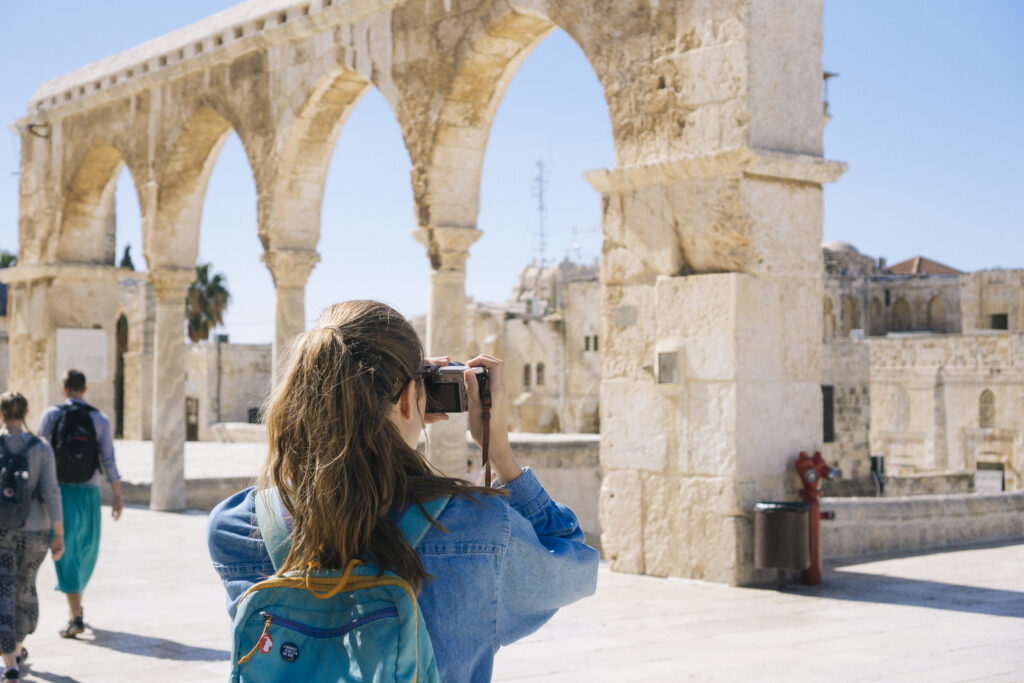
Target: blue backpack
(329, 625)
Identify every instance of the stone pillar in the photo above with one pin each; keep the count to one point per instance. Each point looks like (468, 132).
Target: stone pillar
(447, 249)
(711, 358)
(171, 286)
(290, 269)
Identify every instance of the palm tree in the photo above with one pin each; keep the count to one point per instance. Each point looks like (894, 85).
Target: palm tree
(206, 303)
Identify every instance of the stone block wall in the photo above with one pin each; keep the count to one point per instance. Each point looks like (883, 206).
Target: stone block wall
(245, 375)
(847, 369)
(873, 526)
(948, 402)
(993, 292)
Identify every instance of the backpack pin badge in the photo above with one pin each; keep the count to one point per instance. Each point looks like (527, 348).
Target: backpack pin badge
(289, 652)
(266, 644)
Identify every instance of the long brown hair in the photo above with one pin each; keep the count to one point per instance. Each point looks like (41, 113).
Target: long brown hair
(339, 462)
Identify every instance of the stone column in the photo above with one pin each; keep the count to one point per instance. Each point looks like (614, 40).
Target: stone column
(447, 249)
(171, 286)
(711, 361)
(290, 269)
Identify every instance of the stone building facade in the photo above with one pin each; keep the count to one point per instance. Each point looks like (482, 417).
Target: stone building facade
(924, 367)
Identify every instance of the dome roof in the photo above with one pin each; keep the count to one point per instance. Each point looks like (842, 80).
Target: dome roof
(839, 245)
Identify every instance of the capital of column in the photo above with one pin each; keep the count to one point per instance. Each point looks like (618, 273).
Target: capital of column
(447, 246)
(171, 284)
(748, 161)
(290, 268)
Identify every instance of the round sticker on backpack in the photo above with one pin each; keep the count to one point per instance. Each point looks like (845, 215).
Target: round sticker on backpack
(289, 652)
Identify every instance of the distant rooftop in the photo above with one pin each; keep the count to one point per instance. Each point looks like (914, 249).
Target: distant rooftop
(919, 265)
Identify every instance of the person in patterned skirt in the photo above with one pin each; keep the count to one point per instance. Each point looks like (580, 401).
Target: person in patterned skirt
(23, 549)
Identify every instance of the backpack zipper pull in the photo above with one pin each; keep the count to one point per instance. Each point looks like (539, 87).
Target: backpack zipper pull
(265, 643)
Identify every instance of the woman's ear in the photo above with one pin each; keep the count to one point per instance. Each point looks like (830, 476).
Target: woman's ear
(407, 403)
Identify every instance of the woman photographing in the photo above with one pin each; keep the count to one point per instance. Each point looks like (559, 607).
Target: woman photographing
(343, 426)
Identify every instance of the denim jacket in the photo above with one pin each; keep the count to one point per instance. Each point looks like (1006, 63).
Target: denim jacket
(502, 569)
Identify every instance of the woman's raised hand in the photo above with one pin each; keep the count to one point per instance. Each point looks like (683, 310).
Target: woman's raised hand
(503, 462)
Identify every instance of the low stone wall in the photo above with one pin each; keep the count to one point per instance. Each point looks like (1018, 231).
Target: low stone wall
(569, 467)
(903, 485)
(874, 526)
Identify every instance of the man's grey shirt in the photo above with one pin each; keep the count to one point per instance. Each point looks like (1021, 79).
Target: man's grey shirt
(103, 436)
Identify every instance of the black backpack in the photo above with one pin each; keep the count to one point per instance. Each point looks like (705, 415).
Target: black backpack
(75, 447)
(15, 495)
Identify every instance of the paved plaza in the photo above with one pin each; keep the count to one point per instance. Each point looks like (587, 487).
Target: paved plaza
(155, 608)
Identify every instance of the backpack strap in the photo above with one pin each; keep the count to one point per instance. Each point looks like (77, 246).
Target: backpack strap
(32, 441)
(277, 537)
(273, 528)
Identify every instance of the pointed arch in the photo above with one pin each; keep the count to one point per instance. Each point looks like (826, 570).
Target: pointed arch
(87, 232)
(937, 314)
(183, 174)
(987, 409)
(828, 319)
(876, 317)
(290, 210)
(851, 315)
(447, 189)
(902, 318)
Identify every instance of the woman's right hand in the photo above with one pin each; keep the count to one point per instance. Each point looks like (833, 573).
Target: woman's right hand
(57, 547)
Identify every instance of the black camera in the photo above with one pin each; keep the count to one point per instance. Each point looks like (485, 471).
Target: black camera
(446, 389)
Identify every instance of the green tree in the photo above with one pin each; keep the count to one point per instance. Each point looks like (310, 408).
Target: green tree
(8, 259)
(206, 302)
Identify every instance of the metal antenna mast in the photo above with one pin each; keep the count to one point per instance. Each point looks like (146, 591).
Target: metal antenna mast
(539, 185)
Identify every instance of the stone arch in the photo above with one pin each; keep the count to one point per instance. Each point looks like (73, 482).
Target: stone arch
(447, 189)
(876, 317)
(851, 315)
(828, 319)
(183, 174)
(289, 212)
(987, 409)
(936, 312)
(88, 227)
(902, 319)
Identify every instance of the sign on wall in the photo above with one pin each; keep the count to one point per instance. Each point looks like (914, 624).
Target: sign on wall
(82, 349)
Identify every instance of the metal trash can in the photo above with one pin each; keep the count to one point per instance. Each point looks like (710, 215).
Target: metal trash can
(781, 536)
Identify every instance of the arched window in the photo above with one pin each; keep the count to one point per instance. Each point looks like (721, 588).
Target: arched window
(876, 317)
(851, 315)
(540, 374)
(937, 314)
(901, 319)
(828, 320)
(987, 409)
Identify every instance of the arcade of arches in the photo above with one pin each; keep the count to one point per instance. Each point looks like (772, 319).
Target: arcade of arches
(711, 221)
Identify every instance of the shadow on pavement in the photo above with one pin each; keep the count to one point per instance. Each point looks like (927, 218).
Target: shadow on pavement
(895, 590)
(29, 673)
(148, 646)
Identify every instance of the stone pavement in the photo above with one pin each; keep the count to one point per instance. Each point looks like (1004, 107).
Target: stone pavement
(156, 611)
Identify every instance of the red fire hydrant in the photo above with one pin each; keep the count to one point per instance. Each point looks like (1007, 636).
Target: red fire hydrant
(812, 470)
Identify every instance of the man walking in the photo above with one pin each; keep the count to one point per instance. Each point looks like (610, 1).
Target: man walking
(83, 447)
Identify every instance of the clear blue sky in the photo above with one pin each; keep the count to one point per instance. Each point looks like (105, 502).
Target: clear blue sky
(927, 111)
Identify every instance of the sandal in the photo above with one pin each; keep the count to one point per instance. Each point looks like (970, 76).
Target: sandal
(74, 627)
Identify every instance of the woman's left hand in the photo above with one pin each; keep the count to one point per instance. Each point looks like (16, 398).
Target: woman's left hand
(503, 462)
